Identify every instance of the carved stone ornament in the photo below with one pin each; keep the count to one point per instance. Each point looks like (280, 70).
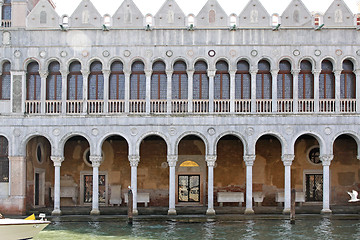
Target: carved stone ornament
(326, 159)
(56, 132)
(289, 130)
(254, 53)
(149, 53)
(249, 160)
(17, 54)
(127, 53)
(327, 131)
(250, 131)
(17, 132)
(212, 53)
(338, 52)
(172, 160)
(169, 53)
(210, 160)
(57, 160)
(296, 52)
(317, 52)
(287, 159)
(63, 54)
(233, 53)
(106, 53)
(95, 160)
(134, 161)
(358, 52)
(172, 131)
(211, 131)
(43, 54)
(95, 131)
(85, 53)
(133, 131)
(190, 53)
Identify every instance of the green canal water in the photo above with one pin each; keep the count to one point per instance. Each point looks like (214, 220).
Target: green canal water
(323, 228)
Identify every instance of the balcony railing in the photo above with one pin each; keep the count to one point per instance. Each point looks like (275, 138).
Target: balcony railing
(179, 106)
(326, 105)
(263, 105)
(116, 106)
(5, 23)
(221, 106)
(200, 106)
(348, 105)
(74, 106)
(306, 105)
(32, 106)
(158, 106)
(243, 106)
(95, 106)
(53, 106)
(137, 106)
(285, 105)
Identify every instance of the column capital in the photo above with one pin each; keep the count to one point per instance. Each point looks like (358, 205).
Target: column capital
(274, 71)
(172, 160)
(249, 160)
(64, 72)
(357, 71)
(57, 160)
(287, 159)
(316, 71)
(43, 74)
(253, 71)
(148, 73)
(17, 158)
(337, 72)
(85, 72)
(210, 160)
(295, 71)
(358, 157)
(134, 160)
(211, 73)
(96, 160)
(169, 72)
(106, 72)
(326, 159)
(232, 72)
(190, 71)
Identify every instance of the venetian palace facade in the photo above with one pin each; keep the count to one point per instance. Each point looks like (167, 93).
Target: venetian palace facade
(179, 107)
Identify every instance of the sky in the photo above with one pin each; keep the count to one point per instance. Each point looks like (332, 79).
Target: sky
(194, 6)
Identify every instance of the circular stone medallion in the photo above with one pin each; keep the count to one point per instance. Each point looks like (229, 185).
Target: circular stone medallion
(190, 53)
(106, 53)
(338, 52)
(17, 53)
(327, 131)
(250, 131)
(358, 52)
(127, 53)
(95, 131)
(296, 52)
(211, 131)
(56, 132)
(85, 53)
(232, 53)
(169, 53)
(42, 54)
(63, 54)
(211, 53)
(317, 52)
(254, 53)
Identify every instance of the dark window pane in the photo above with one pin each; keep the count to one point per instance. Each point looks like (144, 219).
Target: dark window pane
(243, 66)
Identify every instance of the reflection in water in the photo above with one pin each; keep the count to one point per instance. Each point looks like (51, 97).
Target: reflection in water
(284, 231)
(249, 230)
(209, 230)
(324, 229)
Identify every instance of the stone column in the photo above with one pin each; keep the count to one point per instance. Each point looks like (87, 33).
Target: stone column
(172, 160)
(127, 90)
(18, 183)
(57, 160)
(211, 75)
(169, 74)
(249, 162)
(106, 74)
(43, 76)
(85, 74)
(134, 162)
(96, 162)
(64, 74)
(210, 160)
(316, 89)
(357, 74)
(326, 160)
(253, 90)
(337, 74)
(148, 74)
(287, 160)
(274, 75)
(295, 74)
(190, 74)
(1, 6)
(232, 90)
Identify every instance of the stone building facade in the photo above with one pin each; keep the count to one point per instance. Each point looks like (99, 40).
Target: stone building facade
(179, 107)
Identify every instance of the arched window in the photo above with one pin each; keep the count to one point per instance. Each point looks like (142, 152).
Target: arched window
(149, 20)
(275, 19)
(327, 81)
(33, 82)
(263, 81)
(212, 16)
(75, 82)
(222, 81)
(158, 81)
(6, 10)
(117, 81)
(347, 81)
(201, 81)
(243, 81)
(107, 20)
(232, 21)
(54, 82)
(96, 81)
(5, 81)
(285, 81)
(137, 81)
(65, 21)
(191, 21)
(179, 81)
(306, 81)
(4, 160)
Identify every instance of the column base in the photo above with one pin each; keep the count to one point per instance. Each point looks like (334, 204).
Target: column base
(172, 211)
(286, 211)
(249, 211)
(210, 211)
(326, 211)
(95, 212)
(56, 212)
(135, 212)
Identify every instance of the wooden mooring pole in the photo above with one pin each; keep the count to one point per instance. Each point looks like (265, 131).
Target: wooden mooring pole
(130, 207)
(292, 208)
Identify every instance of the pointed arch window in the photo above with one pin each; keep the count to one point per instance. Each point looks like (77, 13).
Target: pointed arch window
(75, 82)
(33, 82)
(158, 81)
(327, 81)
(306, 81)
(263, 81)
(243, 81)
(4, 159)
(54, 82)
(285, 81)
(5, 81)
(222, 81)
(200, 81)
(347, 81)
(96, 81)
(179, 81)
(137, 81)
(117, 81)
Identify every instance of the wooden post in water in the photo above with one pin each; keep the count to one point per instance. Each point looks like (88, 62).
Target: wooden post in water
(130, 207)
(292, 208)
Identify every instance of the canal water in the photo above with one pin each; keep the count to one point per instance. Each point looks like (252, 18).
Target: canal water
(322, 228)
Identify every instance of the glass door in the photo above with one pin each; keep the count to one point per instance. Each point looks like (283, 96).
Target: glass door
(189, 188)
(314, 187)
(88, 188)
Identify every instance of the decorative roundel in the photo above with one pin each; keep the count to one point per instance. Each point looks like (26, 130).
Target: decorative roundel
(358, 52)
(127, 53)
(17, 53)
(211, 53)
(296, 52)
(56, 132)
(149, 53)
(211, 131)
(42, 54)
(106, 53)
(317, 52)
(85, 53)
(254, 53)
(233, 53)
(63, 54)
(327, 131)
(314, 155)
(338, 52)
(190, 53)
(169, 53)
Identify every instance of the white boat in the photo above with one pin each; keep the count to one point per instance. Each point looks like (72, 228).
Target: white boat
(12, 229)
